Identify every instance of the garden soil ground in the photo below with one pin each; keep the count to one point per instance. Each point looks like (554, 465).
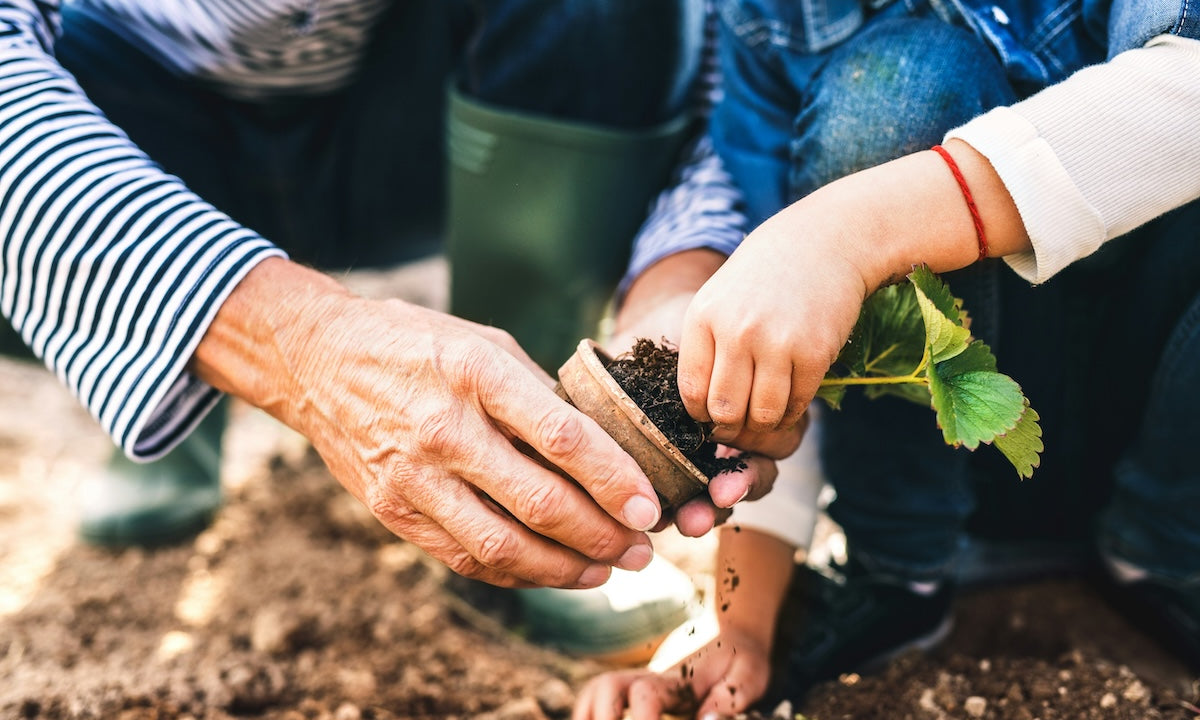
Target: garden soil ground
(296, 604)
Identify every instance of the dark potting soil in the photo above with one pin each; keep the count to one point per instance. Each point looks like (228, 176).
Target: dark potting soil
(649, 376)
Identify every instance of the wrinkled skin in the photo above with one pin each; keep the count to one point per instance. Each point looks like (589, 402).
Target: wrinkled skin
(443, 428)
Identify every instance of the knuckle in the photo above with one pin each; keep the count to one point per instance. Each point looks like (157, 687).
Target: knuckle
(559, 434)
(763, 419)
(540, 506)
(499, 548)
(468, 367)
(690, 388)
(605, 482)
(608, 543)
(463, 564)
(745, 329)
(383, 503)
(438, 432)
(499, 336)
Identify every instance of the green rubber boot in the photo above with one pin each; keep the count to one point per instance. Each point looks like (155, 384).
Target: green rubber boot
(542, 213)
(159, 503)
(622, 622)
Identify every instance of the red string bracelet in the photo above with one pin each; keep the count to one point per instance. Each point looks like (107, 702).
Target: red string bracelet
(966, 191)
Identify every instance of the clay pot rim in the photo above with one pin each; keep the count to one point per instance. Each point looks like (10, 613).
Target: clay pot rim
(590, 353)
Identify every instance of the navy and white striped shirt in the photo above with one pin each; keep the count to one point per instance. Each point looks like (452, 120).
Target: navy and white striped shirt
(111, 269)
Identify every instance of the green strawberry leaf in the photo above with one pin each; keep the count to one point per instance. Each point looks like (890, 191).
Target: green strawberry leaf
(832, 394)
(916, 391)
(974, 403)
(937, 292)
(946, 329)
(913, 341)
(1023, 444)
(889, 338)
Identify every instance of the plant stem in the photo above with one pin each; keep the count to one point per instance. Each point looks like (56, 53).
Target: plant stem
(884, 380)
(916, 377)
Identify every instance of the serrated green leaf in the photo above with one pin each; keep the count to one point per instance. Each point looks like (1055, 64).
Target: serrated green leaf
(832, 394)
(944, 329)
(913, 392)
(1023, 444)
(977, 356)
(889, 337)
(932, 287)
(974, 403)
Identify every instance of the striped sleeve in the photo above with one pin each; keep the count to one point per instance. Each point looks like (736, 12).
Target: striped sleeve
(110, 269)
(701, 207)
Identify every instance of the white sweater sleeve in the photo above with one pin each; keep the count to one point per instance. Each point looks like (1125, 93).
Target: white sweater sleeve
(1093, 157)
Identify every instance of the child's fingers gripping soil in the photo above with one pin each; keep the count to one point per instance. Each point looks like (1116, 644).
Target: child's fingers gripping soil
(635, 694)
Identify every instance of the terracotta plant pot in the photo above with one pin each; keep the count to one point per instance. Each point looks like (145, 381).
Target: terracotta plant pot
(585, 382)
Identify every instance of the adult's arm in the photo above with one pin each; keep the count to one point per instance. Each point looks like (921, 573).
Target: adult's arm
(443, 428)
(111, 269)
(113, 273)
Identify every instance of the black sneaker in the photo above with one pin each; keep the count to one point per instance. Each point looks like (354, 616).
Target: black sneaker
(1168, 612)
(850, 621)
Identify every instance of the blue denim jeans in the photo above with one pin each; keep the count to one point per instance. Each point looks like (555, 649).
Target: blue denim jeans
(1113, 373)
(357, 178)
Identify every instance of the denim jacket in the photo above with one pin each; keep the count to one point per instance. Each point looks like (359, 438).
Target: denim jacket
(1039, 41)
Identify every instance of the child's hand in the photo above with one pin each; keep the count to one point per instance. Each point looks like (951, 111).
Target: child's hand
(654, 308)
(724, 677)
(762, 332)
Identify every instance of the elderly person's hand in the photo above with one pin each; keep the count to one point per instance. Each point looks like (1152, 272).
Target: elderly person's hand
(654, 308)
(443, 428)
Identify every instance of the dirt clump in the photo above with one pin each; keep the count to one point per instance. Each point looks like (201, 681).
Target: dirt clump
(649, 375)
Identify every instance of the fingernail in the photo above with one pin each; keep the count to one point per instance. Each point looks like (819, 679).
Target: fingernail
(594, 576)
(636, 557)
(640, 513)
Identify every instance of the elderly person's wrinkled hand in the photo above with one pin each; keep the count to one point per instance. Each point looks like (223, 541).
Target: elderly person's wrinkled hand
(444, 429)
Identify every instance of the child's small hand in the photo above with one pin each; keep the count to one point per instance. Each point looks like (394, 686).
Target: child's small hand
(762, 332)
(724, 678)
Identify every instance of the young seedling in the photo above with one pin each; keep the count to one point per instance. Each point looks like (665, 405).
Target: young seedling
(913, 340)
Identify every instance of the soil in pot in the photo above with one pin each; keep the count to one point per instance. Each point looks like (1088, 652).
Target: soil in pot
(649, 375)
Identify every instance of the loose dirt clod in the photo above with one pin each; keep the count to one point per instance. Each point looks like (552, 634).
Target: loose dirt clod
(649, 375)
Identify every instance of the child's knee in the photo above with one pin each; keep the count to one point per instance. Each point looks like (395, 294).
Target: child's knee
(894, 89)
